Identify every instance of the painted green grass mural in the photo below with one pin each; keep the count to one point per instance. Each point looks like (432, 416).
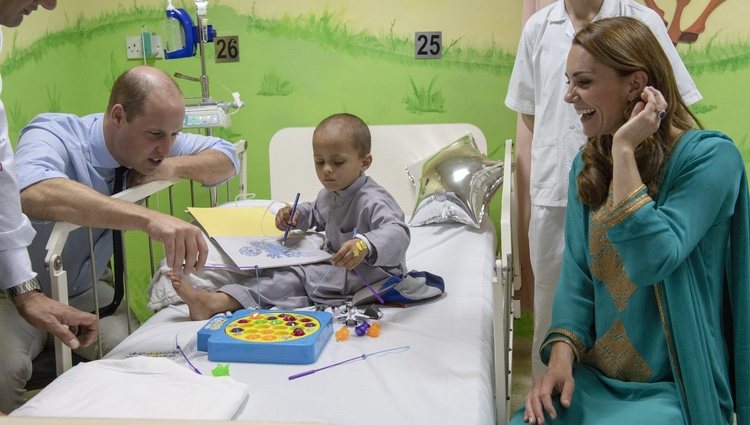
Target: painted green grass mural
(330, 31)
(717, 56)
(53, 99)
(298, 69)
(424, 99)
(273, 84)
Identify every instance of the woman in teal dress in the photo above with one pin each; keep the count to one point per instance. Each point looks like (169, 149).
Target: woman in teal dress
(650, 320)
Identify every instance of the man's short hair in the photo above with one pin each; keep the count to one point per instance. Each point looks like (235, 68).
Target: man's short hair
(132, 87)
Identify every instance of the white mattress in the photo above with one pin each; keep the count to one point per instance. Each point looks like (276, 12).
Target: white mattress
(444, 378)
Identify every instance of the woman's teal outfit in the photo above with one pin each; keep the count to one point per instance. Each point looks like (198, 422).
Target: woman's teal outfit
(654, 296)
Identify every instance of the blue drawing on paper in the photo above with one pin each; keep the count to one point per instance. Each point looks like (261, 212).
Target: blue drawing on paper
(270, 249)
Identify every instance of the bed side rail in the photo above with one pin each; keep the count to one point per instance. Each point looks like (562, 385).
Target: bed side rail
(61, 230)
(503, 288)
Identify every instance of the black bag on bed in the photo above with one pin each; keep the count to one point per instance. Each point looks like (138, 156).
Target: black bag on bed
(414, 287)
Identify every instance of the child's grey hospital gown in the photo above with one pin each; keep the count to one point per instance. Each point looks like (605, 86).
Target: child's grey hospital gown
(365, 206)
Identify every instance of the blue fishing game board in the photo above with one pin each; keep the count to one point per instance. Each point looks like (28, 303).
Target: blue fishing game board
(266, 336)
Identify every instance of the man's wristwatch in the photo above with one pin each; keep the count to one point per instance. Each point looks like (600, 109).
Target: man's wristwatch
(24, 287)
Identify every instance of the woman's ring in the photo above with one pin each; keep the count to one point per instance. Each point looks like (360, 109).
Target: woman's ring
(661, 113)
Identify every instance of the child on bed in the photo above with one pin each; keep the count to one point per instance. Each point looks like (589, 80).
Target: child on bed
(364, 228)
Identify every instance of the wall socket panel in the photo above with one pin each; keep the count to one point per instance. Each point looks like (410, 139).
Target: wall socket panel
(134, 47)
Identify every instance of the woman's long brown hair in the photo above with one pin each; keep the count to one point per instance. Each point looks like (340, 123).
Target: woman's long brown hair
(627, 45)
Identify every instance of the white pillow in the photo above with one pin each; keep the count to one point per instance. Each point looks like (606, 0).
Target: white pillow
(455, 184)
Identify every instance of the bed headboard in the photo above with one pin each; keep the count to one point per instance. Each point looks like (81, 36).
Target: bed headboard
(394, 147)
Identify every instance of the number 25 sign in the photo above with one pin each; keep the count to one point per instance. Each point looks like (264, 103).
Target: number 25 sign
(428, 45)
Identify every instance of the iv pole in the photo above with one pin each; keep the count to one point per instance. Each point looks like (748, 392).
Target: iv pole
(205, 95)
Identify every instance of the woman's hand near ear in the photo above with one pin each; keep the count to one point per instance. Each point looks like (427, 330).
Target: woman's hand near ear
(643, 121)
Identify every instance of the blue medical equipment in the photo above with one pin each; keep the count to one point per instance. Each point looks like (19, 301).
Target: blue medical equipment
(182, 35)
(182, 38)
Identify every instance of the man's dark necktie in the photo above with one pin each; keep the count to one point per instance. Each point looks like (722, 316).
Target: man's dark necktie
(119, 260)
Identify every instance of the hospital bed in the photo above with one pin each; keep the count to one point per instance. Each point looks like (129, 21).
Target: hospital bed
(457, 367)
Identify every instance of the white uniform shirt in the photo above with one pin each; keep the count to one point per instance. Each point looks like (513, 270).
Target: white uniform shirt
(538, 84)
(16, 232)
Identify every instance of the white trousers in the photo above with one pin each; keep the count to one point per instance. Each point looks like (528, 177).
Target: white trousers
(546, 244)
(23, 342)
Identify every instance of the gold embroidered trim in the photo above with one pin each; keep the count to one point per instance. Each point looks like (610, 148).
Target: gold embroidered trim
(627, 211)
(568, 342)
(615, 356)
(578, 346)
(606, 264)
(615, 214)
(632, 194)
(670, 343)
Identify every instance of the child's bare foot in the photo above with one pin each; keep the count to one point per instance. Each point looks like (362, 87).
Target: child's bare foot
(202, 304)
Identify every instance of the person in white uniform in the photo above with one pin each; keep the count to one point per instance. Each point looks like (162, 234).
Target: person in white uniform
(536, 91)
(17, 279)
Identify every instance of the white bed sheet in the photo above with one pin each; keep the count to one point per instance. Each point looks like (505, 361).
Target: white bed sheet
(158, 387)
(444, 378)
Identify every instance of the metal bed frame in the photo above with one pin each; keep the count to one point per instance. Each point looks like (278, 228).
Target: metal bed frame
(506, 282)
(58, 237)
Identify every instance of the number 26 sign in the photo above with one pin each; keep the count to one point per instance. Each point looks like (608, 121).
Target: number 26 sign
(227, 49)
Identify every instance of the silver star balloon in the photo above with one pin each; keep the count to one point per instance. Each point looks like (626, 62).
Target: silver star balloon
(456, 185)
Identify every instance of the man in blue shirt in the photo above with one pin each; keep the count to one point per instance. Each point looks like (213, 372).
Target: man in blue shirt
(66, 171)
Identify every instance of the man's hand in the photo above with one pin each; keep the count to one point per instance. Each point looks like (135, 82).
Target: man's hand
(185, 249)
(165, 171)
(58, 319)
(209, 167)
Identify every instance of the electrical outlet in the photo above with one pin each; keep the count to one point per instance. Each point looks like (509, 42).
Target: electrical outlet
(134, 47)
(156, 47)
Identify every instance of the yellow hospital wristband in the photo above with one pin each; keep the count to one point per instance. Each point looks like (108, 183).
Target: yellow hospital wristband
(359, 247)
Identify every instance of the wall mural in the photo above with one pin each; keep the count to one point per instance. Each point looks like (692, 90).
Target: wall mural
(301, 61)
(674, 27)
